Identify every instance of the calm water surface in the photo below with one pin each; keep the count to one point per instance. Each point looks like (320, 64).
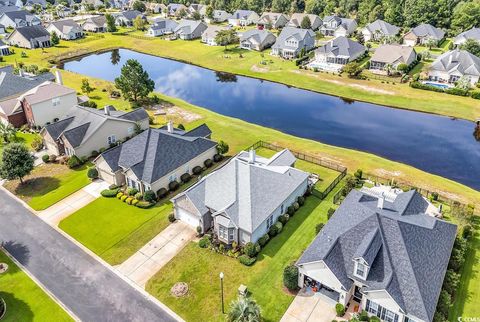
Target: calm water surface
(432, 143)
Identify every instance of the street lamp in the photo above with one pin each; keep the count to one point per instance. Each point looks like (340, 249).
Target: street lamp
(221, 286)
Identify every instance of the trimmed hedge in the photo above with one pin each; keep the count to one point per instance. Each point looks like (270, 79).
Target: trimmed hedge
(197, 170)
(250, 249)
(279, 226)
(92, 173)
(149, 196)
(208, 163)
(144, 204)
(132, 191)
(301, 201)
(246, 260)
(45, 158)
(110, 193)
(174, 185)
(217, 157)
(74, 162)
(185, 177)
(171, 217)
(262, 241)
(162, 193)
(290, 277)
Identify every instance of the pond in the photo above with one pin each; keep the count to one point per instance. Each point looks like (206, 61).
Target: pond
(433, 143)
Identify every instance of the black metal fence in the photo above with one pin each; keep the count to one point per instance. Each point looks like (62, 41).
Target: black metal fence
(312, 159)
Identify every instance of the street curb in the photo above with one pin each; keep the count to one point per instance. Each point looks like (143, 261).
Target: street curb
(146, 295)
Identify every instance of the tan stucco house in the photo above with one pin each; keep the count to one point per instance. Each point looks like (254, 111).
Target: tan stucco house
(84, 130)
(156, 157)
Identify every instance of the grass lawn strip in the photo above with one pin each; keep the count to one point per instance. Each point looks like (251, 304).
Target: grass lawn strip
(49, 183)
(200, 269)
(114, 230)
(251, 63)
(25, 300)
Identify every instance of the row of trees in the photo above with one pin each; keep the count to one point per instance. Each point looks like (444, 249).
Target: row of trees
(456, 15)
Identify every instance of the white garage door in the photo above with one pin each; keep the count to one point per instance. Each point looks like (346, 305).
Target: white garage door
(188, 218)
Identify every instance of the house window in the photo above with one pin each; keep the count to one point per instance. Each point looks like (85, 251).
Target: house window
(172, 178)
(222, 232)
(111, 139)
(381, 312)
(231, 232)
(361, 270)
(407, 319)
(56, 101)
(269, 222)
(130, 130)
(282, 209)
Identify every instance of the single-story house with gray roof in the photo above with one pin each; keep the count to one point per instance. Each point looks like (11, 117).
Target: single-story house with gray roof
(255, 39)
(162, 27)
(241, 200)
(84, 130)
(272, 20)
(218, 16)
(393, 56)
(243, 18)
(156, 157)
(473, 34)
(384, 253)
(208, 36)
(20, 18)
(190, 29)
(127, 17)
(336, 26)
(29, 37)
(292, 41)
(66, 29)
(95, 24)
(379, 30)
(453, 65)
(297, 18)
(423, 34)
(337, 53)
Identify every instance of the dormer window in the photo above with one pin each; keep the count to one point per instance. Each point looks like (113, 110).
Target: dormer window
(360, 270)
(56, 101)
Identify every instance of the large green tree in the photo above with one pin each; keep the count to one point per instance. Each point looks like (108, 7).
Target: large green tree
(466, 15)
(111, 27)
(472, 46)
(134, 82)
(226, 37)
(7, 132)
(16, 163)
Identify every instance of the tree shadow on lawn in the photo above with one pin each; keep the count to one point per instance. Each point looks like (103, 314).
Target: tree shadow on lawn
(17, 310)
(37, 186)
(19, 251)
(292, 225)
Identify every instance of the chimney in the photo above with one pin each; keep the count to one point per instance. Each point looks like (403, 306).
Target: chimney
(251, 158)
(106, 109)
(381, 200)
(170, 127)
(58, 77)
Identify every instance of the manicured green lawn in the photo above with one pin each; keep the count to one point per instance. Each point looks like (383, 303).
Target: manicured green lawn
(326, 175)
(49, 183)
(200, 269)
(25, 300)
(26, 138)
(114, 230)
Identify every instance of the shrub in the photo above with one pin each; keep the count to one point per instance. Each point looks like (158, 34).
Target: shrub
(129, 200)
(434, 196)
(138, 196)
(301, 201)
(250, 250)
(95, 154)
(330, 213)
(185, 177)
(340, 309)
(358, 174)
(149, 196)
(110, 193)
(204, 242)
(92, 173)
(296, 206)
(246, 260)
(52, 158)
(122, 198)
(283, 219)
(73, 162)
(279, 226)
(174, 185)
(162, 193)
(374, 319)
(208, 163)
(475, 95)
(197, 170)
(199, 230)
(290, 277)
(119, 195)
(272, 231)
(45, 158)
(363, 316)
(217, 157)
(135, 201)
(457, 91)
(444, 302)
(144, 204)
(319, 227)
(467, 231)
(171, 217)
(263, 240)
(290, 211)
(132, 191)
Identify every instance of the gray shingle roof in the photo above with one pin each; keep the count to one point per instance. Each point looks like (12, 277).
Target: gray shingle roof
(242, 14)
(413, 248)
(473, 33)
(200, 131)
(154, 153)
(187, 27)
(298, 33)
(246, 193)
(342, 46)
(164, 24)
(14, 85)
(131, 14)
(32, 32)
(393, 53)
(135, 115)
(382, 27)
(426, 30)
(65, 25)
(461, 60)
(258, 35)
(296, 19)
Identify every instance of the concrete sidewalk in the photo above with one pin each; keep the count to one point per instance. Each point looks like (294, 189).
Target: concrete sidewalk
(145, 263)
(65, 207)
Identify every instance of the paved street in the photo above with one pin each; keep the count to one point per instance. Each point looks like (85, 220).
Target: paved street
(145, 263)
(90, 290)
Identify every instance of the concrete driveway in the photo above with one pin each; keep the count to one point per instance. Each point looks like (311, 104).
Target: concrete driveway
(65, 207)
(310, 307)
(145, 263)
(86, 286)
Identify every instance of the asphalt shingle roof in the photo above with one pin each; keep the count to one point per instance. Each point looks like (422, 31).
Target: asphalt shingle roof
(426, 30)
(258, 35)
(32, 32)
(473, 33)
(15, 85)
(382, 27)
(408, 249)
(461, 60)
(298, 33)
(342, 46)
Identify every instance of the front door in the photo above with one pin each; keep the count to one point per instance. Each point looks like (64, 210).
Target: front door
(357, 295)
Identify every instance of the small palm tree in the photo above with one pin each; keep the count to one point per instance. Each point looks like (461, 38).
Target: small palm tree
(7, 132)
(244, 309)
